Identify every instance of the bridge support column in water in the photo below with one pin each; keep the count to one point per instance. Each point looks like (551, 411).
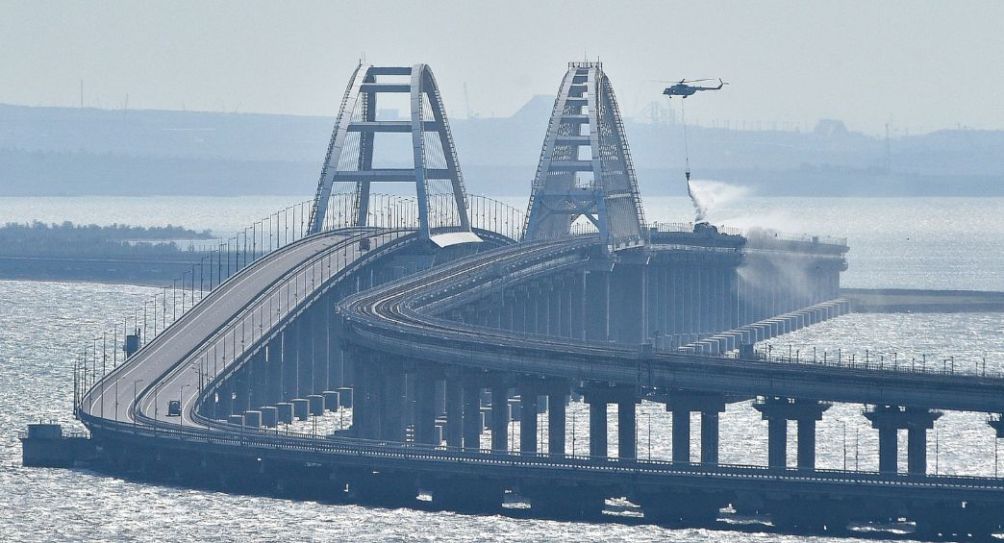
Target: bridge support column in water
(888, 420)
(499, 389)
(598, 396)
(454, 409)
(472, 411)
(528, 417)
(366, 396)
(393, 400)
(596, 305)
(425, 405)
(777, 412)
(627, 303)
(557, 402)
(684, 402)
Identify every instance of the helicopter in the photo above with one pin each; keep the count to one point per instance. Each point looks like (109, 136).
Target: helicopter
(684, 88)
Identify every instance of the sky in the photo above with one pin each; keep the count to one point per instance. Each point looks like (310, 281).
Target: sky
(914, 65)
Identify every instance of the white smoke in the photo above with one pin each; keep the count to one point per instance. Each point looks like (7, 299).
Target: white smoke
(707, 196)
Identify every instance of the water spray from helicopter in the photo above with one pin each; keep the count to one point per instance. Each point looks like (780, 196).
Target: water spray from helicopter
(685, 88)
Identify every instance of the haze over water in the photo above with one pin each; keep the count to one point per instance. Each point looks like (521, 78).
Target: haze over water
(921, 243)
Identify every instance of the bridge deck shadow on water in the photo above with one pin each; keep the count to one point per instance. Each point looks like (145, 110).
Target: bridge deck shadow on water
(445, 338)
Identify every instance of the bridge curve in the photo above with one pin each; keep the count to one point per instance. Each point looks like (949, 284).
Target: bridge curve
(406, 319)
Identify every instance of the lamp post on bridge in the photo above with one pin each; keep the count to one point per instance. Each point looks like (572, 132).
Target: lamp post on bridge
(648, 415)
(843, 424)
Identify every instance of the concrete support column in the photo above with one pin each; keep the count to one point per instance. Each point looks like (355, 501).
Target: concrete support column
(393, 401)
(596, 305)
(681, 435)
(806, 444)
(709, 437)
(598, 428)
(366, 397)
(273, 370)
(425, 407)
(888, 461)
(888, 420)
(556, 403)
(627, 430)
(684, 402)
(554, 309)
(472, 413)
(288, 361)
(777, 442)
(628, 304)
(528, 419)
(777, 412)
(304, 363)
(916, 450)
(454, 411)
(576, 299)
(500, 416)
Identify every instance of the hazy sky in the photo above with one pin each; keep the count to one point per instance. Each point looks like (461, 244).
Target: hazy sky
(918, 65)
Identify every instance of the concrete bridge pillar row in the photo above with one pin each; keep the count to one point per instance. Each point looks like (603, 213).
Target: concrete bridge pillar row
(777, 412)
(684, 402)
(888, 420)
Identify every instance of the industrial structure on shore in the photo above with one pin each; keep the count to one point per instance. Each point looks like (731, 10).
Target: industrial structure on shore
(441, 320)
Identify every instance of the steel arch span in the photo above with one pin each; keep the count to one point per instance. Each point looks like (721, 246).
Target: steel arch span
(601, 185)
(435, 172)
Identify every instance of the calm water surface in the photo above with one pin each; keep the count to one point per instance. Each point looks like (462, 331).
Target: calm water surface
(927, 243)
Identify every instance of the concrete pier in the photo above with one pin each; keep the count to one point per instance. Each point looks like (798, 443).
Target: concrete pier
(269, 416)
(777, 412)
(316, 404)
(684, 402)
(888, 420)
(332, 400)
(301, 408)
(284, 412)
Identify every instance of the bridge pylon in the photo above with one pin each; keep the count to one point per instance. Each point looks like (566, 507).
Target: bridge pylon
(585, 167)
(435, 170)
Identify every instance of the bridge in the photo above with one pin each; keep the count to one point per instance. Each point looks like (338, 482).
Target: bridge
(438, 321)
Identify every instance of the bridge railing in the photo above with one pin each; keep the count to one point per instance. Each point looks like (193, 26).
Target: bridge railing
(221, 260)
(876, 361)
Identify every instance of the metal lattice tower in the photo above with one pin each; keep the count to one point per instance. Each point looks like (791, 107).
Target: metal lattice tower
(439, 185)
(585, 167)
